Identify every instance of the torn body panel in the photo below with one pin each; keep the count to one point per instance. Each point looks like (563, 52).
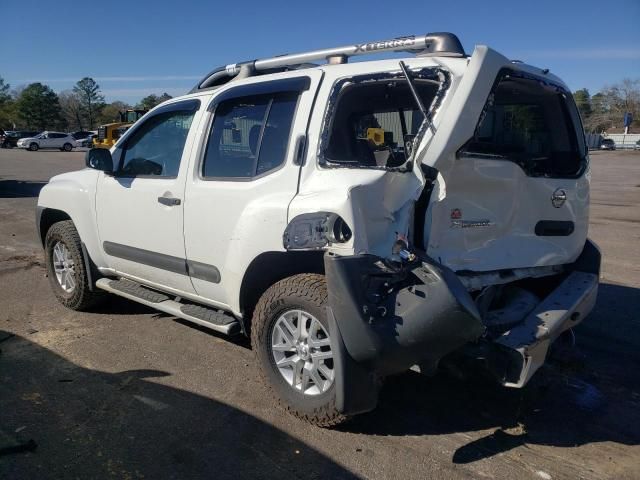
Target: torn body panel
(385, 318)
(377, 205)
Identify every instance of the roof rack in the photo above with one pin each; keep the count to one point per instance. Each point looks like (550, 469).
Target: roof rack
(440, 43)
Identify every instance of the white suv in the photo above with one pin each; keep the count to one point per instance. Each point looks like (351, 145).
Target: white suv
(56, 140)
(354, 219)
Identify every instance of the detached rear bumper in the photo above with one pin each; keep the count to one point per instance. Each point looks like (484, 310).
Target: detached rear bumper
(383, 321)
(526, 346)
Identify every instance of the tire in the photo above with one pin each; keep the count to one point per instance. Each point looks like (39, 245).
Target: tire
(34, 147)
(79, 297)
(305, 293)
(67, 147)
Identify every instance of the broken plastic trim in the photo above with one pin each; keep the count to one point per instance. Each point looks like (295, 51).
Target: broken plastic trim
(433, 74)
(314, 231)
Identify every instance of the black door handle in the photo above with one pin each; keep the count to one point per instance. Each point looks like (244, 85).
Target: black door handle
(169, 201)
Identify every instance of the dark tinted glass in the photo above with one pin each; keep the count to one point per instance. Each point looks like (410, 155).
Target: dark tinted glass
(532, 124)
(155, 148)
(249, 135)
(275, 138)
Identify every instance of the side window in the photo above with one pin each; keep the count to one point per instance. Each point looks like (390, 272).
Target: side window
(249, 135)
(531, 124)
(155, 147)
(373, 121)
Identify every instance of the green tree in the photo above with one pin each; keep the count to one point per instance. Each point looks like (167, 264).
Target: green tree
(111, 112)
(164, 97)
(91, 100)
(583, 102)
(152, 100)
(38, 106)
(4, 92)
(6, 105)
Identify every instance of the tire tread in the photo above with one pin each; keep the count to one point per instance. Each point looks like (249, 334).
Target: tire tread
(313, 288)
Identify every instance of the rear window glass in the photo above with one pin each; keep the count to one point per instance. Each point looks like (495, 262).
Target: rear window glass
(250, 135)
(533, 124)
(373, 122)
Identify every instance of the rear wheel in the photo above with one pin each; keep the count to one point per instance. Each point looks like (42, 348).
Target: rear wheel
(66, 267)
(290, 339)
(67, 147)
(33, 147)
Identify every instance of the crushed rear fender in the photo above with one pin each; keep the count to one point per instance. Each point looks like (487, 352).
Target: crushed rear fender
(383, 320)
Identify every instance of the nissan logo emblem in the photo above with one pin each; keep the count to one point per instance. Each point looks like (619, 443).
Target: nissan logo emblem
(558, 198)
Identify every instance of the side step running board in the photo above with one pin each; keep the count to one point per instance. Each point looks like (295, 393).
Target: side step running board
(207, 317)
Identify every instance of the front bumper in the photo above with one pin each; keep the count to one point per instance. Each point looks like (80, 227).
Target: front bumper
(384, 320)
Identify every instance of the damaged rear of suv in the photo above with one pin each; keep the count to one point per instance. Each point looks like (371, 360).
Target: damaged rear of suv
(353, 219)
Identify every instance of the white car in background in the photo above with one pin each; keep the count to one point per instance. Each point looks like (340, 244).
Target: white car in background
(86, 142)
(61, 141)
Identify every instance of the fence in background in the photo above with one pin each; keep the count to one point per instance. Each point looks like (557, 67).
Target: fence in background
(624, 141)
(621, 140)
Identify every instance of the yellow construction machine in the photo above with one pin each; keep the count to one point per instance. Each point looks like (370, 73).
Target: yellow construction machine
(109, 133)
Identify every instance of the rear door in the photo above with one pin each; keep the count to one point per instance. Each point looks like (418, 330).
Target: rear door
(246, 176)
(515, 194)
(46, 141)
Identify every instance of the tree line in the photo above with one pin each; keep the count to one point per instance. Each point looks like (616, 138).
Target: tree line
(605, 110)
(37, 107)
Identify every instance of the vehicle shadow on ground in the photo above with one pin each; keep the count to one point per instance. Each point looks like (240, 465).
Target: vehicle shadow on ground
(20, 188)
(67, 421)
(114, 305)
(568, 403)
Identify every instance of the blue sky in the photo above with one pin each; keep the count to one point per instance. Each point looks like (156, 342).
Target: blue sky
(135, 48)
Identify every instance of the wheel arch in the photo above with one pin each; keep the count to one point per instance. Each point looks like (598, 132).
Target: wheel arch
(269, 268)
(46, 217)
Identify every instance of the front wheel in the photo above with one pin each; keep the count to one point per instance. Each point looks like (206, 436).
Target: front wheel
(34, 147)
(67, 147)
(66, 267)
(290, 339)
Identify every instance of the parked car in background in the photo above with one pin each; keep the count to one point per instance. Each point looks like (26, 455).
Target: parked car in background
(81, 134)
(637, 145)
(11, 137)
(86, 141)
(57, 140)
(608, 144)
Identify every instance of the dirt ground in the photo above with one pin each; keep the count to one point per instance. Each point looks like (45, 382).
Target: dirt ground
(126, 392)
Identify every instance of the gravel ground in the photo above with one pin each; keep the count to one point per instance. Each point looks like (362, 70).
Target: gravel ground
(126, 392)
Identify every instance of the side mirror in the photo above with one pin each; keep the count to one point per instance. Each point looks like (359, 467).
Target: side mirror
(99, 159)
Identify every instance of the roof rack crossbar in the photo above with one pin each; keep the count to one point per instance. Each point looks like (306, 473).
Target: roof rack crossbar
(440, 43)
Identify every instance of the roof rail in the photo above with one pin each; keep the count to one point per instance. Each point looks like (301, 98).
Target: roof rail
(440, 43)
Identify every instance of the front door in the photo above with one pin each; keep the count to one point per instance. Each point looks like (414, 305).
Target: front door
(140, 207)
